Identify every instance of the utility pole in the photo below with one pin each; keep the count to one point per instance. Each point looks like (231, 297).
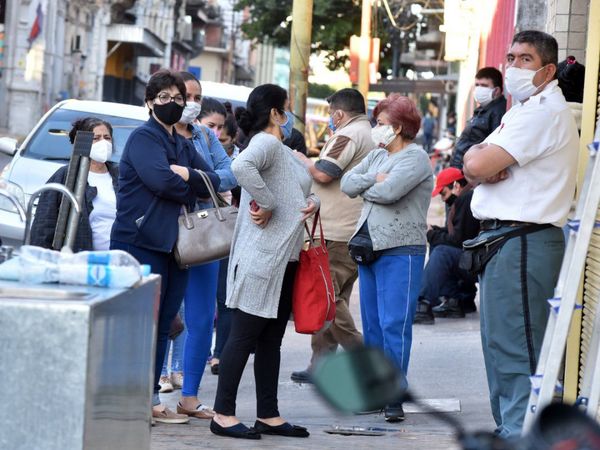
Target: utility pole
(365, 49)
(299, 59)
(231, 53)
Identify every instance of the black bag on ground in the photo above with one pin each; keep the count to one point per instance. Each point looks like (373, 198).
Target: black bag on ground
(361, 247)
(478, 251)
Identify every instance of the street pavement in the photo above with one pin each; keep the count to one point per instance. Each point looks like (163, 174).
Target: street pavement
(446, 365)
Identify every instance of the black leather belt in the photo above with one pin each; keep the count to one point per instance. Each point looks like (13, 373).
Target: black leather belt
(494, 224)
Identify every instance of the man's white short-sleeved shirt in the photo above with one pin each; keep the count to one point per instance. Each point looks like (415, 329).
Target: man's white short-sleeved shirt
(541, 135)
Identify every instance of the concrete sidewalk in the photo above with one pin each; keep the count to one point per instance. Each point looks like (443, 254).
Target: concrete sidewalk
(446, 364)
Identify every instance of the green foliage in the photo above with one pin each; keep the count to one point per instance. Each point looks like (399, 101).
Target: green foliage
(320, 90)
(333, 24)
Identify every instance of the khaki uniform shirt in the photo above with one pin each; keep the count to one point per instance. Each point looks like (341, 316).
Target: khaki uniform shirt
(344, 150)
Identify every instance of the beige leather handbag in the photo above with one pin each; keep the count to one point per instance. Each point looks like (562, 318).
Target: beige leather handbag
(205, 235)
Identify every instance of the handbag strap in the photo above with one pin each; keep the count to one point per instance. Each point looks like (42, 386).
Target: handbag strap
(311, 235)
(213, 194)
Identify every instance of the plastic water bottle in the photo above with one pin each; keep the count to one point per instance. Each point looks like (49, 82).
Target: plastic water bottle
(112, 268)
(38, 265)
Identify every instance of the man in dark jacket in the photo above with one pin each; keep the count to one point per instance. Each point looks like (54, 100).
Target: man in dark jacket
(486, 117)
(447, 290)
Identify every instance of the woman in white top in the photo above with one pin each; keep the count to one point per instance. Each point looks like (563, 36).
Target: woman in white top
(99, 203)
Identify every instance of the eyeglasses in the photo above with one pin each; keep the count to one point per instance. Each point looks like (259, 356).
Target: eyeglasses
(165, 98)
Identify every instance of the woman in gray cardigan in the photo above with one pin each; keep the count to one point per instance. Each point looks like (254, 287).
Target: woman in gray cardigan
(275, 202)
(395, 182)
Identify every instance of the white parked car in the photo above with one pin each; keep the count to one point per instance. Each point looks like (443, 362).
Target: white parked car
(47, 147)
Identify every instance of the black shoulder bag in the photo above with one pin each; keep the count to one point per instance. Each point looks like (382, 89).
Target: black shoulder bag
(477, 252)
(361, 247)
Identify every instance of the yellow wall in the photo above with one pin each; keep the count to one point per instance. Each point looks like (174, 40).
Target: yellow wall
(587, 134)
(120, 64)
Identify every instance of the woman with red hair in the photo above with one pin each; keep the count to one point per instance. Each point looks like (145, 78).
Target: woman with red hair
(395, 182)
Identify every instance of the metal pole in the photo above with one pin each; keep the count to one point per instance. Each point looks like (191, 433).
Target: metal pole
(365, 49)
(77, 175)
(299, 59)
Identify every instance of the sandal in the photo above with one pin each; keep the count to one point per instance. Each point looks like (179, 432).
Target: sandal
(201, 411)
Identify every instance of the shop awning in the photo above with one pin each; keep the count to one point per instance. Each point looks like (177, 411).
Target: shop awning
(147, 43)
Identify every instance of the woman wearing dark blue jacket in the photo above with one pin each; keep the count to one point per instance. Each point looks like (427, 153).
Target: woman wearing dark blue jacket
(156, 179)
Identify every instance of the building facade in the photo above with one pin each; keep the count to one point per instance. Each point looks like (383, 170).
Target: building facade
(87, 49)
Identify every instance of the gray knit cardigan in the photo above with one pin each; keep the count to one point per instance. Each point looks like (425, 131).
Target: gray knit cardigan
(269, 173)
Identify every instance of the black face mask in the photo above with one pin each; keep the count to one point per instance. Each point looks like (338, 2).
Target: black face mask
(450, 199)
(169, 113)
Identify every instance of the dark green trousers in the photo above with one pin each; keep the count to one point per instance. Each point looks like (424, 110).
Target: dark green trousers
(514, 289)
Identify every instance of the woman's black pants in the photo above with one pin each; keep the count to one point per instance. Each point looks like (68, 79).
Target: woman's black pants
(264, 336)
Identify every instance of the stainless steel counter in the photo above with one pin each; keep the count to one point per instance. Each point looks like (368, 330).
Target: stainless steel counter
(76, 366)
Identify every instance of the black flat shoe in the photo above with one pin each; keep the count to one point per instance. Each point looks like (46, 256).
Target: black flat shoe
(285, 429)
(394, 413)
(240, 431)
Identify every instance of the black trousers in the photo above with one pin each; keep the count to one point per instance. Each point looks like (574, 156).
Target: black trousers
(264, 336)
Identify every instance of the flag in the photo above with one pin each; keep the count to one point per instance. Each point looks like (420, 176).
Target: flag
(36, 26)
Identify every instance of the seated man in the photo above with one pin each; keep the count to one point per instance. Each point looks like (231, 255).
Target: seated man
(447, 290)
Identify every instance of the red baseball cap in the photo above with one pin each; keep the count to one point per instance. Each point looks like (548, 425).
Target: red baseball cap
(445, 177)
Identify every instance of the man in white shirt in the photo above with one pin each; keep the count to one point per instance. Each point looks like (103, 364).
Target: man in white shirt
(526, 174)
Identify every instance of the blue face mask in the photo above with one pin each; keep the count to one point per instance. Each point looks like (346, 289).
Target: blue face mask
(286, 128)
(332, 126)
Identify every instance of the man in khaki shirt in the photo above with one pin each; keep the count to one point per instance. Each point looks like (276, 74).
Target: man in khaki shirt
(349, 144)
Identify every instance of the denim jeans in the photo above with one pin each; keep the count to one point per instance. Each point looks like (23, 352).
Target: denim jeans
(172, 288)
(443, 277)
(177, 346)
(200, 303)
(389, 288)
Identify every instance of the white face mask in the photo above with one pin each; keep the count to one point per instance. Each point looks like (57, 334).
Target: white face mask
(483, 95)
(101, 151)
(383, 135)
(519, 82)
(190, 112)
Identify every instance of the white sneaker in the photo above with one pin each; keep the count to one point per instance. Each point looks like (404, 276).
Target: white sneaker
(165, 384)
(177, 380)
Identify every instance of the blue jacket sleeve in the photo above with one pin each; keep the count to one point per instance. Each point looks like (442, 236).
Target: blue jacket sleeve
(221, 163)
(195, 181)
(149, 159)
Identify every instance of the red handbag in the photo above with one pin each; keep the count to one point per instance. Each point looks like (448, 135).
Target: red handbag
(313, 300)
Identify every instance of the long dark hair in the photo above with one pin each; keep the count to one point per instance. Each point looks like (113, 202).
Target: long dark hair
(255, 117)
(87, 124)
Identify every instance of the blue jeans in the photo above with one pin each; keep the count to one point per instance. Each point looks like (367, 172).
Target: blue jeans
(515, 287)
(389, 288)
(200, 302)
(177, 345)
(442, 276)
(172, 287)
(223, 312)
